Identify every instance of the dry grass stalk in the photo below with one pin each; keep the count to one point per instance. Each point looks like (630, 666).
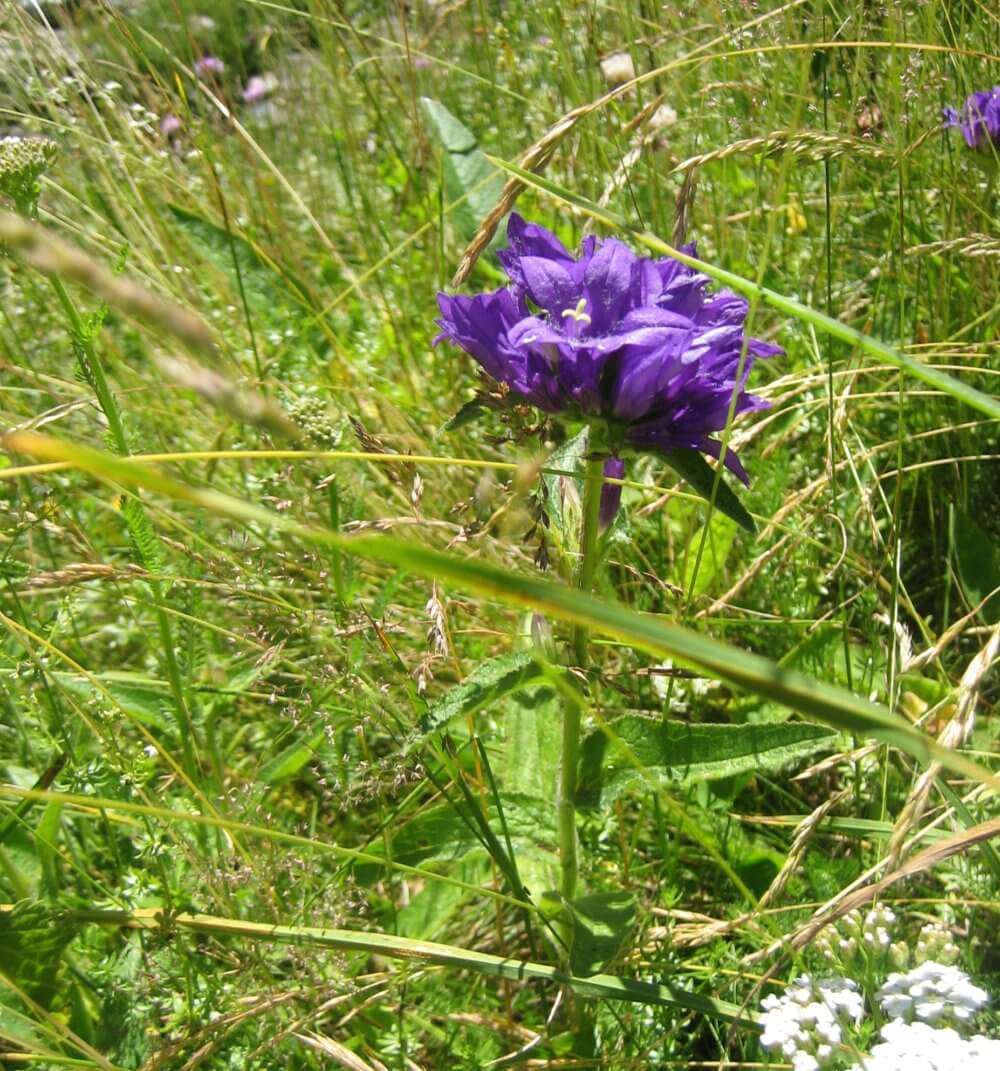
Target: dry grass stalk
(80, 573)
(812, 144)
(684, 204)
(954, 735)
(245, 406)
(832, 761)
(694, 931)
(437, 632)
(803, 834)
(399, 474)
(339, 1054)
(946, 638)
(971, 245)
(843, 903)
(52, 256)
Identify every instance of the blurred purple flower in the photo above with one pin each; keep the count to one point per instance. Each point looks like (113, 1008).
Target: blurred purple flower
(204, 66)
(611, 493)
(638, 345)
(258, 87)
(979, 120)
(170, 126)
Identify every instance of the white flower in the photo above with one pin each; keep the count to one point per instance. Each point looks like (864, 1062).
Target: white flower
(805, 1022)
(663, 116)
(618, 68)
(932, 991)
(919, 1047)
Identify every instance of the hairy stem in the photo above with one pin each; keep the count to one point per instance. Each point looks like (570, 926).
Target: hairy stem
(570, 754)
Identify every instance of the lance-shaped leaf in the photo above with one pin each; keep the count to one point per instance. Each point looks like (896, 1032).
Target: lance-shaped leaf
(634, 750)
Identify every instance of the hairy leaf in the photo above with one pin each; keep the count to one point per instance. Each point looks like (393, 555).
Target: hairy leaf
(33, 936)
(646, 752)
(489, 682)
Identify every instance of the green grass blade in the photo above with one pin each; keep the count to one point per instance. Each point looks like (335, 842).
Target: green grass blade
(598, 986)
(827, 703)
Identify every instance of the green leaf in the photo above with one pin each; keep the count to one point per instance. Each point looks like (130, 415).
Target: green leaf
(440, 834)
(602, 923)
(978, 558)
(21, 1030)
(468, 173)
(32, 939)
(692, 466)
(468, 414)
(563, 503)
(288, 762)
(433, 907)
(145, 541)
(702, 566)
(269, 287)
(647, 752)
(531, 756)
(489, 682)
(136, 696)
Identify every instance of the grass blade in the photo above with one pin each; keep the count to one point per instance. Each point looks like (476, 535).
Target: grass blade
(827, 703)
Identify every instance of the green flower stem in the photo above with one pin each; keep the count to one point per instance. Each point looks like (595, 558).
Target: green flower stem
(109, 406)
(570, 755)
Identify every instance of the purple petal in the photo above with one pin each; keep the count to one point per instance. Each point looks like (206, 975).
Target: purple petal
(481, 326)
(611, 494)
(647, 362)
(608, 284)
(732, 462)
(549, 285)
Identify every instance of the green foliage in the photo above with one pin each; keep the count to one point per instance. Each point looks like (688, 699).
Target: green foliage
(696, 471)
(469, 177)
(33, 937)
(261, 697)
(978, 559)
(634, 752)
(489, 682)
(602, 923)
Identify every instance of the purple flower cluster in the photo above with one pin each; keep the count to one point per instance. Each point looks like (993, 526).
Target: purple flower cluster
(639, 348)
(979, 120)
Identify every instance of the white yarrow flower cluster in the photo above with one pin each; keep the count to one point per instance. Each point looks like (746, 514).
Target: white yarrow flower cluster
(920, 1047)
(805, 1024)
(932, 992)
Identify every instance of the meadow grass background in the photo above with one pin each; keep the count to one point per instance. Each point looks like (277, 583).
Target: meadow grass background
(192, 664)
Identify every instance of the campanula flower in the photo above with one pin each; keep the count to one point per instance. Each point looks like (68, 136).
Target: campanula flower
(979, 120)
(638, 348)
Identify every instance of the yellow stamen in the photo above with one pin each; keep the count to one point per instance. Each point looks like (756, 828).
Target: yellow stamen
(578, 313)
